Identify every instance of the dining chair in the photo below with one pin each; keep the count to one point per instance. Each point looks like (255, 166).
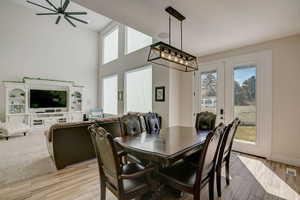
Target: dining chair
(225, 152)
(205, 121)
(125, 181)
(191, 178)
(131, 124)
(152, 123)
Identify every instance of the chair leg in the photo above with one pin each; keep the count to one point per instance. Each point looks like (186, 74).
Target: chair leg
(6, 138)
(227, 170)
(211, 186)
(103, 190)
(25, 134)
(219, 169)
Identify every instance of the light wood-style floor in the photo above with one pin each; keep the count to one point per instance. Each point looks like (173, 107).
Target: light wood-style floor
(251, 179)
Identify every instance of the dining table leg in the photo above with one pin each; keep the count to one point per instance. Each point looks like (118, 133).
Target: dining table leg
(157, 187)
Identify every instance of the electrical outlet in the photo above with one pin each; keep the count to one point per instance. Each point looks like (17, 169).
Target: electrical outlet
(291, 172)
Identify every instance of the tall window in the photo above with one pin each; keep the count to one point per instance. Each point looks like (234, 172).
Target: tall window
(138, 90)
(110, 95)
(110, 46)
(136, 40)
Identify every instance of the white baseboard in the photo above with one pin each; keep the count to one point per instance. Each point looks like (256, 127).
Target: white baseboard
(285, 160)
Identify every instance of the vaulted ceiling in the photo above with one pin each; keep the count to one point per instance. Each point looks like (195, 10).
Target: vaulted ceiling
(211, 25)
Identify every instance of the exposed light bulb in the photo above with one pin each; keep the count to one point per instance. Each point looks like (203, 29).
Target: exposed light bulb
(169, 57)
(176, 59)
(181, 61)
(186, 63)
(162, 54)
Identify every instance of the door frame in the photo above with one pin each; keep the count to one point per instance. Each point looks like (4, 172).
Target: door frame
(263, 61)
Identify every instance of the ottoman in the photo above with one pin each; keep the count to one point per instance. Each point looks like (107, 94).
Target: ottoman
(9, 129)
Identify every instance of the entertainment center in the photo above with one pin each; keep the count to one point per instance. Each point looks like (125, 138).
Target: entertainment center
(41, 103)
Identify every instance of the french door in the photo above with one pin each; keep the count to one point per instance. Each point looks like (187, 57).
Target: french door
(239, 87)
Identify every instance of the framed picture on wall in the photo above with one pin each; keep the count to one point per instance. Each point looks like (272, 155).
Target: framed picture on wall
(160, 93)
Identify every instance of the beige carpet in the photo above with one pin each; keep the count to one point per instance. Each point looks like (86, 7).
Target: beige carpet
(23, 157)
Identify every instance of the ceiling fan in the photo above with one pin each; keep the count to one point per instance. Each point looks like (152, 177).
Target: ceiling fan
(61, 12)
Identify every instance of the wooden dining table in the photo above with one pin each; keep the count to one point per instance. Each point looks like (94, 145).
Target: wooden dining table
(165, 148)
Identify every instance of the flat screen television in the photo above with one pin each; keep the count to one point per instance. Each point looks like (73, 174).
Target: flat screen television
(48, 99)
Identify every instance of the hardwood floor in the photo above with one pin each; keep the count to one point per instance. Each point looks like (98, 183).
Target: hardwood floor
(251, 179)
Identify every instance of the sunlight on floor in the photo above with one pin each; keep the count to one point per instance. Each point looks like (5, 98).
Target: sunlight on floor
(273, 185)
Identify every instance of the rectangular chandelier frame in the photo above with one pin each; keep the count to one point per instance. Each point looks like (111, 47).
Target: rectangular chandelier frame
(168, 56)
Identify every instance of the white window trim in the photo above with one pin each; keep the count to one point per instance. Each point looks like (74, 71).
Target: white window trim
(125, 84)
(126, 42)
(111, 28)
(102, 90)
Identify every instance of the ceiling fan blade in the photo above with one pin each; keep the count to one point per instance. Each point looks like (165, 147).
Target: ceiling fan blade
(41, 6)
(65, 5)
(76, 13)
(46, 13)
(80, 20)
(70, 21)
(58, 19)
(51, 4)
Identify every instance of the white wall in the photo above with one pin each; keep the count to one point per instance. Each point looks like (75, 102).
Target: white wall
(34, 46)
(174, 97)
(286, 95)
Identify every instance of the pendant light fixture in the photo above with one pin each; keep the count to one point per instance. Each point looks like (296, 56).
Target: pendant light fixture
(168, 56)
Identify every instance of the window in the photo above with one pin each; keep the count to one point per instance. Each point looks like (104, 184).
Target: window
(136, 40)
(138, 90)
(245, 102)
(110, 46)
(110, 95)
(208, 92)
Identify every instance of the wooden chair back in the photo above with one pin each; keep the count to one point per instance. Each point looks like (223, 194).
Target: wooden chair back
(153, 122)
(209, 153)
(107, 156)
(205, 121)
(131, 124)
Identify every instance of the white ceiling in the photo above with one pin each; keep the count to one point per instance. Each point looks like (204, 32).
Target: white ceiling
(211, 25)
(96, 21)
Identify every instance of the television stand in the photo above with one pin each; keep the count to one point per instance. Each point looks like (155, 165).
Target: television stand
(17, 103)
(45, 120)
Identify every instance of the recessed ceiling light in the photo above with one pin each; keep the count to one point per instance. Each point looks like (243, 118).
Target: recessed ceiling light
(163, 35)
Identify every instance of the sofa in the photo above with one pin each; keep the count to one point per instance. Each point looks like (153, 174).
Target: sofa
(70, 143)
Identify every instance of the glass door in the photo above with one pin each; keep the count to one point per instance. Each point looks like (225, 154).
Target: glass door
(248, 96)
(240, 87)
(210, 90)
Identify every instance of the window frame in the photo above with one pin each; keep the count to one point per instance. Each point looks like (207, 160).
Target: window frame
(126, 41)
(104, 35)
(125, 84)
(102, 96)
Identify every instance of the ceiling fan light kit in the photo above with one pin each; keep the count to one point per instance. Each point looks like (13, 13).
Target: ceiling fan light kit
(168, 56)
(60, 11)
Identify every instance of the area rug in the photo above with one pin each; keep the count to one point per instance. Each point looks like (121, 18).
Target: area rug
(24, 157)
